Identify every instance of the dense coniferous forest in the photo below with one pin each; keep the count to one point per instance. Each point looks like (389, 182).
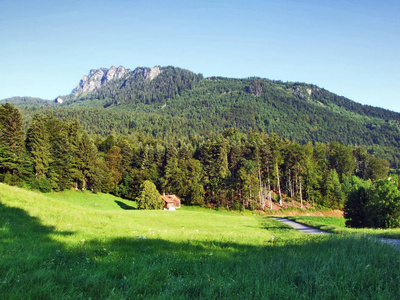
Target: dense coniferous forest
(231, 169)
(240, 143)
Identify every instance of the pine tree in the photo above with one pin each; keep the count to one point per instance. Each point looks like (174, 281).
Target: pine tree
(60, 168)
(333, 195)
(88, 163)
(148, 197)
(113, 160)
(12, 145)
(39, 146)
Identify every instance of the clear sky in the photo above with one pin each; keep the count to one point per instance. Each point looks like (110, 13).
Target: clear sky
(351, 48)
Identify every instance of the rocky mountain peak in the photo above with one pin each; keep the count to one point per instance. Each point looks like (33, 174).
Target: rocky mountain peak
(97, 78)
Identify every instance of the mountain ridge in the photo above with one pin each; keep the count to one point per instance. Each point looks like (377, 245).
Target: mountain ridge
(301, 94)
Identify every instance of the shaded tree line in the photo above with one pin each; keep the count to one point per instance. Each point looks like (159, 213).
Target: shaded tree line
(231, 169)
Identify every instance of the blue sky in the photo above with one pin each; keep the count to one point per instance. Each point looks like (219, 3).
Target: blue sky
(351, 48)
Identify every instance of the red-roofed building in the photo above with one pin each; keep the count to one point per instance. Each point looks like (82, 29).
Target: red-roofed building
(171, 202)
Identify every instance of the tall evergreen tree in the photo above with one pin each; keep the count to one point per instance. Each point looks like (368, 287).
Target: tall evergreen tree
(113, 160)
(60, 167)
(333, 195)
(88, 163)
(12, 145)
(38, 145)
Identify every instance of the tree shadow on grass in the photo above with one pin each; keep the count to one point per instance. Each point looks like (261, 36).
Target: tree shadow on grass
(35, 264)
(18, 225)
(125, 206)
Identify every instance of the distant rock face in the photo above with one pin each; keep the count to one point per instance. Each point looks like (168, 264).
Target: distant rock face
(154, 72)
(98, 78)
(148, 74)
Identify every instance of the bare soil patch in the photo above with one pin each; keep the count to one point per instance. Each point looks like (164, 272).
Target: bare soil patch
(293, 208)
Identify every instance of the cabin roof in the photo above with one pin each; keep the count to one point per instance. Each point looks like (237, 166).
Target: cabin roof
(170, 198)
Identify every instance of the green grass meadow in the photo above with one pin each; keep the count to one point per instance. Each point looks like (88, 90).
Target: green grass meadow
(79, 245)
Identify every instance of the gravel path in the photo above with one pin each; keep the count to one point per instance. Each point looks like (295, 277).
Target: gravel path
(301, 227)
(393, 242)
(311, 230)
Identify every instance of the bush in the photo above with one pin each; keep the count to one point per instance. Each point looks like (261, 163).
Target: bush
(42, 185)
(384, 208)
(237, 206)
(375, 205)
(355, 210)
(319, 207)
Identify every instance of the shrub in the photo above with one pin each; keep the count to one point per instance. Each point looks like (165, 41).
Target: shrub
(355, 209)
(384, 209)
(375, 205)
(237, 206)
(42, 185)
(148, 197)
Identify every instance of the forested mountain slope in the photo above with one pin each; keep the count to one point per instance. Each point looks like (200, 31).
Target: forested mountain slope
(169, 102)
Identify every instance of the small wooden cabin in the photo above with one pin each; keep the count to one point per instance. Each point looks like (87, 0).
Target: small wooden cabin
(172, 202)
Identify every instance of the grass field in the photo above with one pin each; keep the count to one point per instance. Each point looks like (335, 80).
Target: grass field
(77, 245)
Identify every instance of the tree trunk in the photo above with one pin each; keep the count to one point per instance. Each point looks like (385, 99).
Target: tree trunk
(269, 190)
(301, 194)
(262, 200)
(279, 185)
(291, 188)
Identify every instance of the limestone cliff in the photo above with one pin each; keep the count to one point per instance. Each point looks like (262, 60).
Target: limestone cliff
(97, 78)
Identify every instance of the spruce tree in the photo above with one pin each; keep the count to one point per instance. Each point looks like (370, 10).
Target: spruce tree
(12, 144)
(113, 160)
(149, 198)
(39, 146)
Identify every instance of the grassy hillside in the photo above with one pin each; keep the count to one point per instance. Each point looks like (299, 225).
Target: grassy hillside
(76, 245)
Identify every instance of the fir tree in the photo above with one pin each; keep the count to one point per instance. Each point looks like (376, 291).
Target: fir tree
(148, 197)
(12, 145)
